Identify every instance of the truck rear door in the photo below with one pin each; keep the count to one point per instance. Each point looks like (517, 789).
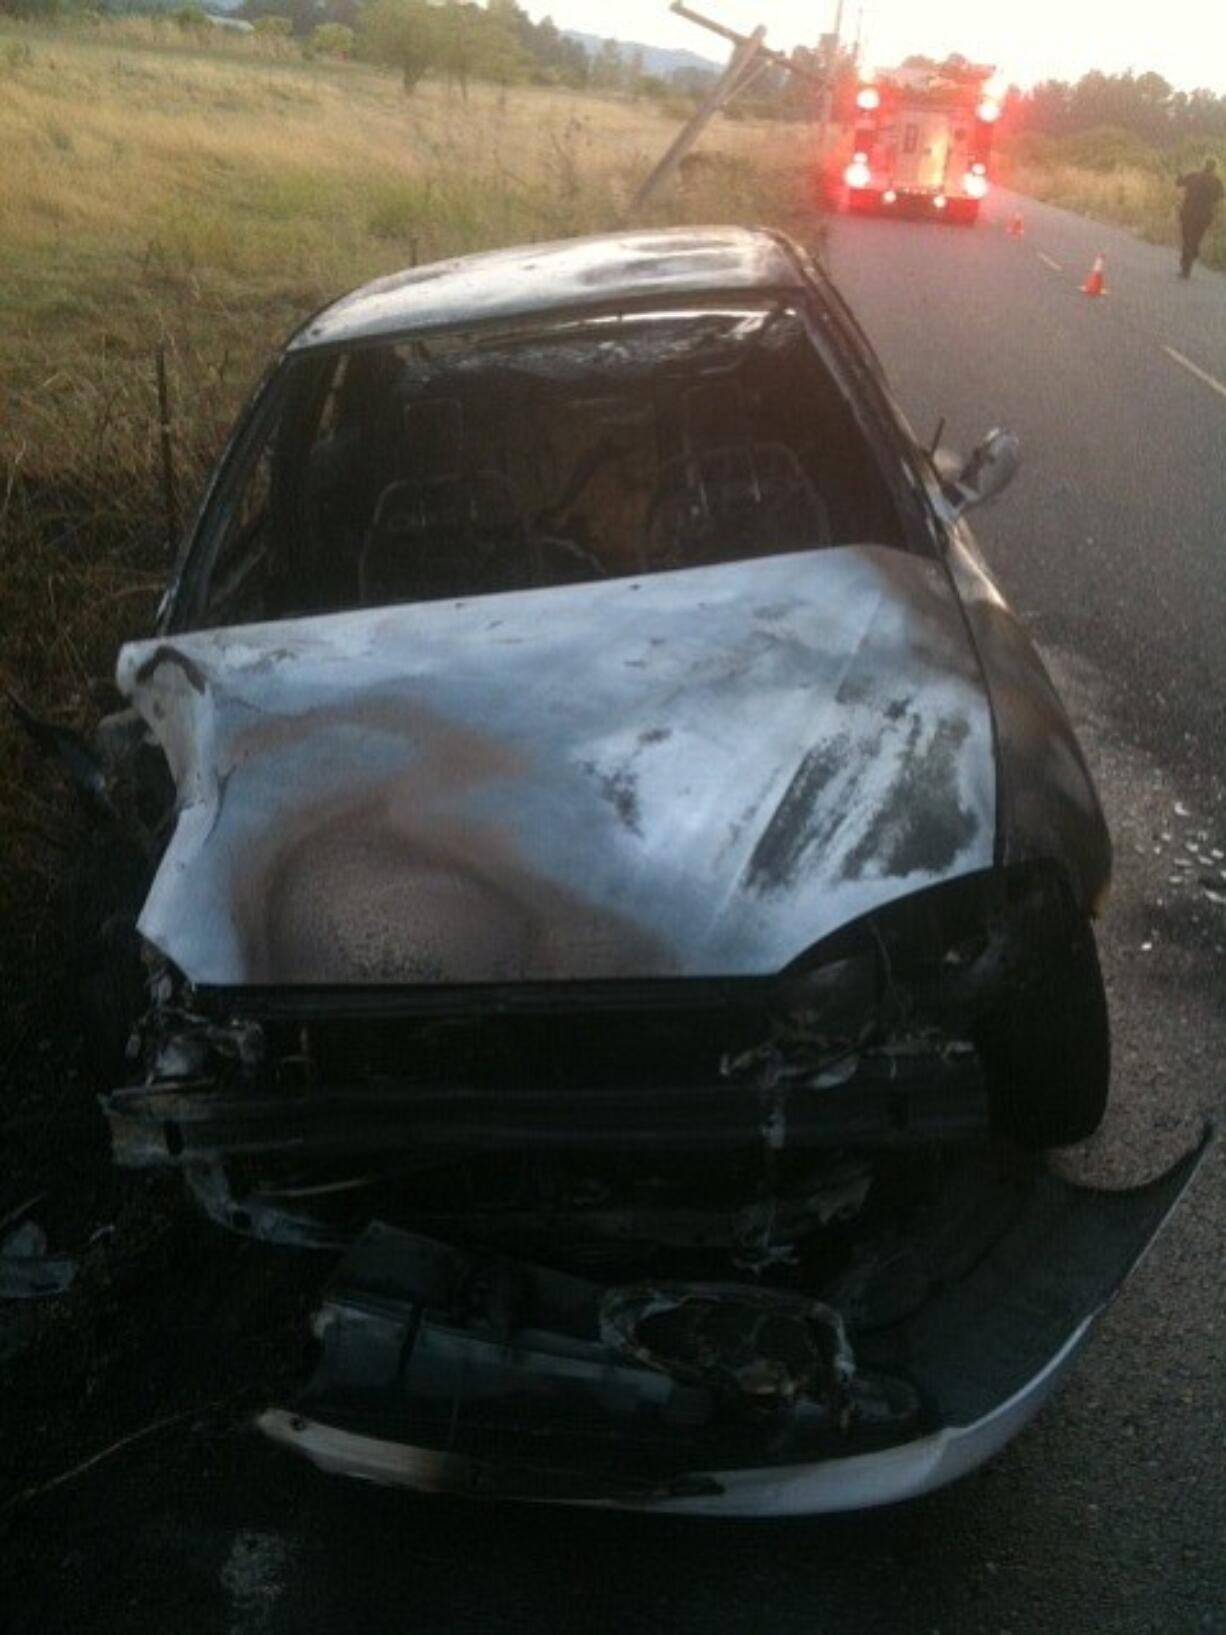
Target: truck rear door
(923, 149)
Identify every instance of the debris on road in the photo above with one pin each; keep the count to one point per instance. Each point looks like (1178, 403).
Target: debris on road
(26, 1494)
(27, 1271)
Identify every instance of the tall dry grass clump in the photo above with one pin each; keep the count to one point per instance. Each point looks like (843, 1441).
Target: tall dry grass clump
(207, 194)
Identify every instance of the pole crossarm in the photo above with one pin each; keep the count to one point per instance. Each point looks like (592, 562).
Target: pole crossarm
(776, 57)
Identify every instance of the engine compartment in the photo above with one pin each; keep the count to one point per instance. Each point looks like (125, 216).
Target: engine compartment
(616, 1123)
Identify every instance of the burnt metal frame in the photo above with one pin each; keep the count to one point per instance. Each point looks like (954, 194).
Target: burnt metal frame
(841, 344)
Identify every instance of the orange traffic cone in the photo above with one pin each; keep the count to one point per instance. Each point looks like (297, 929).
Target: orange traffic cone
(1096, 283)
(1015, 226)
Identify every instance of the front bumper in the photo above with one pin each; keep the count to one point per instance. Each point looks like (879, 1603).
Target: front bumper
(858, 1482)
(412, 1390)
(914, 203)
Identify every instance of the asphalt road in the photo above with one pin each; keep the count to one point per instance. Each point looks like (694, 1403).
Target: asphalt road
(1112, 543)
(1114, 533)
(1109, 1513)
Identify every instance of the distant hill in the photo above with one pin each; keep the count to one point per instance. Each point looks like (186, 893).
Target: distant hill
(657, 59)
(137, 8)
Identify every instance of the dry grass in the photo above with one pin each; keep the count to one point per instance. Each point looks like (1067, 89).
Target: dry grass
(1141, 197)
(209, 193)
(289, 177)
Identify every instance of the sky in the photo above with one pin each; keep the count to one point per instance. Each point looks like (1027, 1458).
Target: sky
(1184, 40)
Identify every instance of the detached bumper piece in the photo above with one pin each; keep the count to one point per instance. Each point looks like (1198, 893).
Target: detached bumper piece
(452, 1372)
(446, 1371)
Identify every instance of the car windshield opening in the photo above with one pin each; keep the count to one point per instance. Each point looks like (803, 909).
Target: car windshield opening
(474, 463)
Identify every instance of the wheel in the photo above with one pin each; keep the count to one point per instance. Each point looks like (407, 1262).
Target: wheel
(1047, 1050)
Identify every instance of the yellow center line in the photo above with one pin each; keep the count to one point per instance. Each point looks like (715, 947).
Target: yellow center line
(1195, 369)
(1048, 262)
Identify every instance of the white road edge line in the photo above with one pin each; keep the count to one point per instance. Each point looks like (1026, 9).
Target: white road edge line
(1048, 262)
(1195, 369)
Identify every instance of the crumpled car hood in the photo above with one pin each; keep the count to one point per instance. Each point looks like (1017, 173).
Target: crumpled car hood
(696, 773)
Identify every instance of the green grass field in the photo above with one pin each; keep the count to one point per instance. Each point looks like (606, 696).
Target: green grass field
(207, 192)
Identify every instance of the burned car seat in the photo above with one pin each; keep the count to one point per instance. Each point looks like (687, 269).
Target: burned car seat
(748, 500)
(457, 536)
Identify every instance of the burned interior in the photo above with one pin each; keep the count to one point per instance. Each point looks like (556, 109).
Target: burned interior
(626, 890)
(458, 465)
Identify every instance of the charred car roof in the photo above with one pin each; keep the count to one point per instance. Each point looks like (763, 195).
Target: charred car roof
(505, 286)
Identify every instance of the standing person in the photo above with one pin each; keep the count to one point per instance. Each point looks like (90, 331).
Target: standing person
(1202, 193)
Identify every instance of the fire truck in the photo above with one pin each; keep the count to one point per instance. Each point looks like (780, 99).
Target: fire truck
(922, 141)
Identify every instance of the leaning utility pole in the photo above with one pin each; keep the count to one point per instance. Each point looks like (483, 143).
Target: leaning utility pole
(750, 54)
(830, 61)
(740, 64)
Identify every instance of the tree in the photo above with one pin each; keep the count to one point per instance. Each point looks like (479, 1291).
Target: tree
(608, 70)
(517, 45)
(331, 40)
(478, 42)
(457, 27)
(463, 41)
(501, 58)
(1143, 105)
(403, 33)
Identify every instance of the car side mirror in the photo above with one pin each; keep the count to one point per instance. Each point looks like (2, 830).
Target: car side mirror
(990, 469)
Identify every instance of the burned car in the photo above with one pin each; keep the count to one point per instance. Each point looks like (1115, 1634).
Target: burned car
(627, 901)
